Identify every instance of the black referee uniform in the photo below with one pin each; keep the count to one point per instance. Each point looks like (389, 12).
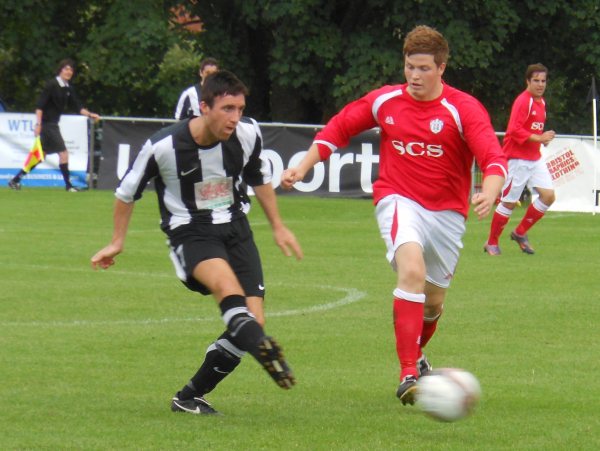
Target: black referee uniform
(56, 97)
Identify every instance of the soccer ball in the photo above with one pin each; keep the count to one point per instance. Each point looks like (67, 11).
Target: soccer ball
(448, 394)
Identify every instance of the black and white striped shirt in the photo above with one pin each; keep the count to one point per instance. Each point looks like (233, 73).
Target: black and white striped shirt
(194, 183)
(189, 103)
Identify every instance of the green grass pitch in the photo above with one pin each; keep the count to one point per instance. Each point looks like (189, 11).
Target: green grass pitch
(90, 360)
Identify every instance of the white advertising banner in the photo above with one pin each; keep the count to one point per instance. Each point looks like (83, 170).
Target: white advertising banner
(573, 161)
(574, 164)
(17, 137)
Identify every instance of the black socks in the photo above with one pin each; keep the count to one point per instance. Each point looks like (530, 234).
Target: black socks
(64, 170)
(17, 178)
(222, 357)
(245, 331)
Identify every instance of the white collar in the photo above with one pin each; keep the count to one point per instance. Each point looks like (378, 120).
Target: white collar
(62, 83)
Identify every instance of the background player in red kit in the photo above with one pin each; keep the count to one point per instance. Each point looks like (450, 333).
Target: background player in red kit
(429, 135)
(524, 137)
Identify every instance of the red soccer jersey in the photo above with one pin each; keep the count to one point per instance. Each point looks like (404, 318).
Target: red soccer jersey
(527, 117)
(427, 148)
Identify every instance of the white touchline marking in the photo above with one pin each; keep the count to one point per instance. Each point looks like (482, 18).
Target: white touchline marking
(351, 295)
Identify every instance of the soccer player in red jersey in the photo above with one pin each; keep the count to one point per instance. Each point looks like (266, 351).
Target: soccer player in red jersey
(430, 133)
(522, 142)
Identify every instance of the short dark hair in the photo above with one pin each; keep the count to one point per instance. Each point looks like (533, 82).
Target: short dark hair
(535, 68)
(64, 62)
(209, 61)
(222, 83)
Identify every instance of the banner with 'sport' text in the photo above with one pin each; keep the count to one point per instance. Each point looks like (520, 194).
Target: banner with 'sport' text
(573, 161)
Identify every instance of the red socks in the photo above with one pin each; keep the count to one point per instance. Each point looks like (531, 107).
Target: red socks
(408, 326)
(429, 327)
(502, 215)
(499, 221)
(532, 216)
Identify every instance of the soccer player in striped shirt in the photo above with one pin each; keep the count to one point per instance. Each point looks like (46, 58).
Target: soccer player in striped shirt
(522, 143)
(188, 104)
(430, 133)
(201, 168)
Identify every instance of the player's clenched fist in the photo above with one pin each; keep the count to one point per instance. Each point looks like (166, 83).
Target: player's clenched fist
(288, 178)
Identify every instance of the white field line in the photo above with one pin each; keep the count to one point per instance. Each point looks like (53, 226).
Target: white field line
(350, 296)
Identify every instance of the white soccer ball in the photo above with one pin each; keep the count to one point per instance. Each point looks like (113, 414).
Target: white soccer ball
(448, 394)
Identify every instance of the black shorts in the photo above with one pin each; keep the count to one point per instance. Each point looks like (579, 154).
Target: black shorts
(233, 242)
(52, 140)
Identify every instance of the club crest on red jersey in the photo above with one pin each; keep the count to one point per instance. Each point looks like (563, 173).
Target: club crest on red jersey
(436, 125)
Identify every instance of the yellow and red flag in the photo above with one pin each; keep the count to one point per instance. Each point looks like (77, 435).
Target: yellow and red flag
(35, 156)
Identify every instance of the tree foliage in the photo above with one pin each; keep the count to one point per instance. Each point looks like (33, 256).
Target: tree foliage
(124, 52)
(302, 59)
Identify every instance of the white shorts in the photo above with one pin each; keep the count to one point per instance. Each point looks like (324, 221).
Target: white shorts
(439, 233)
(522, 173)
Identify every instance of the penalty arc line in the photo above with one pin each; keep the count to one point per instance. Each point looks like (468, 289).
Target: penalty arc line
(352, 295)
